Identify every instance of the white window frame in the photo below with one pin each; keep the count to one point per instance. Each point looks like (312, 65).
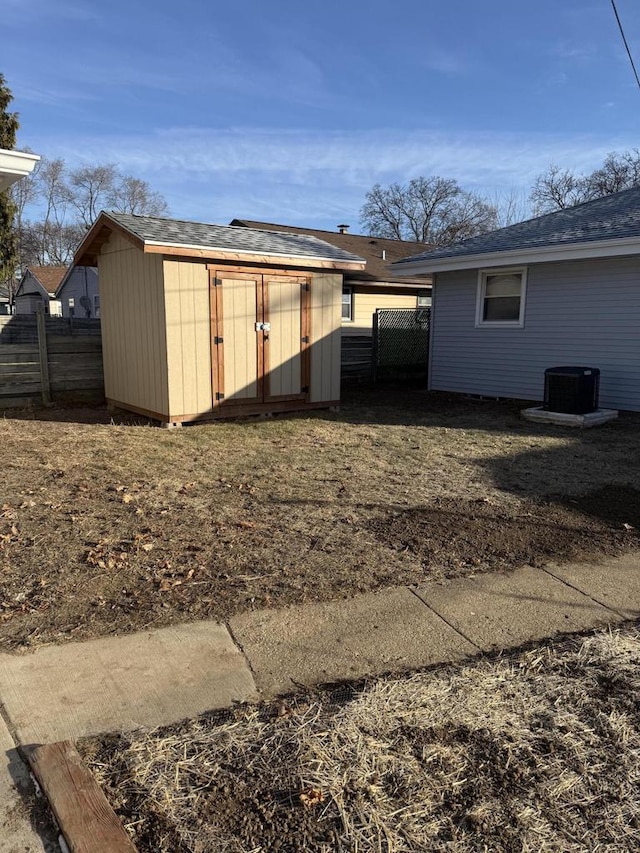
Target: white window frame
(423, 299)
(347, 289)
(482, 284)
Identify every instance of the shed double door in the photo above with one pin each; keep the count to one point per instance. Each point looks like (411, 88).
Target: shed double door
(260, 338)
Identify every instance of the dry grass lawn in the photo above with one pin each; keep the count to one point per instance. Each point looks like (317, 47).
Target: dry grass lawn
(537, 751)
(115, 526)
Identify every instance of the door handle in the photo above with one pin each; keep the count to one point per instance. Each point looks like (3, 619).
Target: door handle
(263, 327)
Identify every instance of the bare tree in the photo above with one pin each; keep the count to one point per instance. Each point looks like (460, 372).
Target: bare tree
(52, 244)
(511, 207)
(430, 210)
(618, 172)
(91, 188)
(54, 196)
(558, 188)
(132, 195)
(67, 202)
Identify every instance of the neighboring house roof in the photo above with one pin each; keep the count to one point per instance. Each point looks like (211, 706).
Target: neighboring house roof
(196, 239)
(600, 228)
(49, 278)
(370, 248)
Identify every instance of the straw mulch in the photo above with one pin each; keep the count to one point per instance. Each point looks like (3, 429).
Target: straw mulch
(533, 751)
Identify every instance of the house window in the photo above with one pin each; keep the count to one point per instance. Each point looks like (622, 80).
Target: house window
(96, 306)
(424, 299)
(501, 297)
(347, 304)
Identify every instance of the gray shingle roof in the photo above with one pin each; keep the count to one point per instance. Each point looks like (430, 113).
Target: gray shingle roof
(174, 232)
(610, 218)
(370, 248)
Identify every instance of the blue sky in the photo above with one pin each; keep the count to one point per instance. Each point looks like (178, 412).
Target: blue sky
(290, 111)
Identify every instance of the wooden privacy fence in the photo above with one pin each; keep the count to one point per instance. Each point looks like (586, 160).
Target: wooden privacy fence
(56, 366)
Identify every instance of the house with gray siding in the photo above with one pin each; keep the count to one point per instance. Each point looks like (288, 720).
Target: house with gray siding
(558, 290)
(78, 293)
(63, 291)
(38, 286)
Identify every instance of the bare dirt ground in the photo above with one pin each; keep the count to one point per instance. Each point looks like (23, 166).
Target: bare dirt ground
(532, 751)
(115, 526)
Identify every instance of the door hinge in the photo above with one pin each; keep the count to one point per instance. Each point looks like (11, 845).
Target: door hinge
(305, 286)
(305, 389)
(219, 395)
(218, 340)
(217, 282)
(305, 339)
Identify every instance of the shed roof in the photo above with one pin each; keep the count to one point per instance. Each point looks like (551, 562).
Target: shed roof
(370, 248)
(598, 228)
(196, 239)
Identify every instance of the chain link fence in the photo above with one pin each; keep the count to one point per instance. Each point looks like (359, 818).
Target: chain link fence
(401, 342)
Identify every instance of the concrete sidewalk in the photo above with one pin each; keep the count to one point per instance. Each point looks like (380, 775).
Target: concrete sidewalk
(162, 676)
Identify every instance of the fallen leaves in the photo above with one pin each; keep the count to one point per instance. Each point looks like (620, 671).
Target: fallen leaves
(102, 555)
(310, 797)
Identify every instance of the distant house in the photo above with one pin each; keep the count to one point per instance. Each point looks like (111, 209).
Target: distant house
(78, 293)
(559, 290)
(379, 285)
(38, 286)
(63, 291)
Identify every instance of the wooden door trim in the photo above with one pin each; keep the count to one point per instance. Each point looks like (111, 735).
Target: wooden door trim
(217, 357)
(305, 302)
(217, 362)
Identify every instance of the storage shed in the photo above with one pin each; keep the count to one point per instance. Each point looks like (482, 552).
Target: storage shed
(212, 321)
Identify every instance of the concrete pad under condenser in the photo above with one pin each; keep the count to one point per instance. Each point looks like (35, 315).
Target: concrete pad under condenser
(371, 634)
(591, 419)
(118, 683)
(498, 611)
(613, 582)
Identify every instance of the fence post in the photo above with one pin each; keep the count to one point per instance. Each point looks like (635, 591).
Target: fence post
(374, 348)
(43, 355)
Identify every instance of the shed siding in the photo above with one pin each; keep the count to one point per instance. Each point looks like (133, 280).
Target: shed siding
(186, 286)
(133, 326)
(576, 313)
(365, 303)
(326, 300)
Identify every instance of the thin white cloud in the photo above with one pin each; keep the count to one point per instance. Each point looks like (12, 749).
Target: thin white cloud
(312, 177)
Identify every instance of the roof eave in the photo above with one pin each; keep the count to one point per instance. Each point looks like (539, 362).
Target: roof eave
(544, 254)
(226, 254)
(15, 165)
(86, 255)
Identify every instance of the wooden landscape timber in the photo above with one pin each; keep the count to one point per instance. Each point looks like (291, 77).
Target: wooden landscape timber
(86, 820)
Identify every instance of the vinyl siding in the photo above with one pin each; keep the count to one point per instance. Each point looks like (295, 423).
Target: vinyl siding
(134, 339)
(584, 313)
(326, 296)
(186, 289)
(365, 303)
(83, 281)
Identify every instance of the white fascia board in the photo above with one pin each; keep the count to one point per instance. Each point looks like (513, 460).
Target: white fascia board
(545, 254)
(15, 165)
